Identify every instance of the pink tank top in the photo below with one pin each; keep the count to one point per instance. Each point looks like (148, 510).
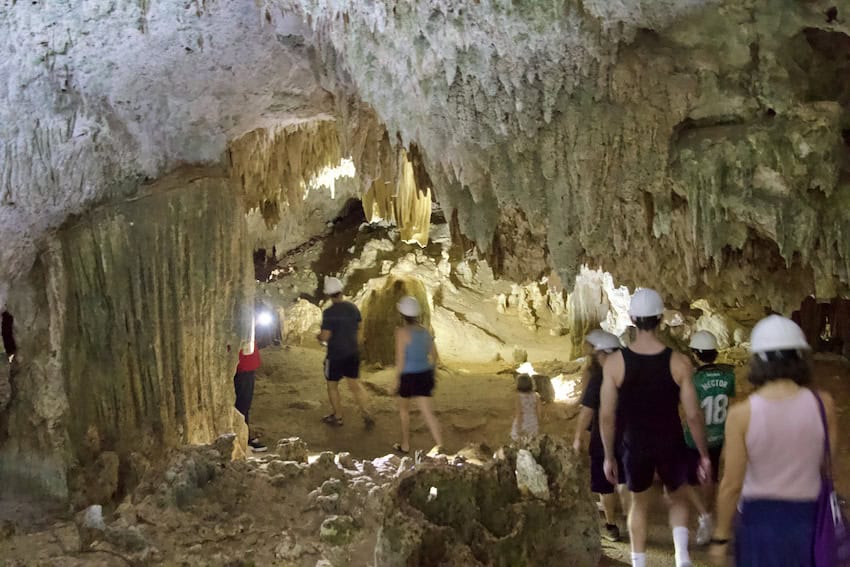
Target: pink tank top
(784, 448)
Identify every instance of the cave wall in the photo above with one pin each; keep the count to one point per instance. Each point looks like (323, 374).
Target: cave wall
(124, 328)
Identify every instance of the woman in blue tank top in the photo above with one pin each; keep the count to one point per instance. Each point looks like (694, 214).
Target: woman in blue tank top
(415, 358)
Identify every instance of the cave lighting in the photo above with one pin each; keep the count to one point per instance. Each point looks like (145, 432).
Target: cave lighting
(265, 318)
(565, 388)
(328, 176)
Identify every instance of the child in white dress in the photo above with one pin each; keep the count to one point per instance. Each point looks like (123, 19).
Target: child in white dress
(527, 419)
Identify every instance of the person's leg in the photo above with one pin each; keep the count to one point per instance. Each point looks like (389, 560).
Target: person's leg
(333, 397)
(679, 523)
(637, 526)
(404, 416)
(694, 494)
(430, 419)
(609, 507)
(243, 385)
(639, 465)
(625, 498)
(359, 396)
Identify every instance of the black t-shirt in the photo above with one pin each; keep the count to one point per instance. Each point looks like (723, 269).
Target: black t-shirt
(342, 320)
(591, 399)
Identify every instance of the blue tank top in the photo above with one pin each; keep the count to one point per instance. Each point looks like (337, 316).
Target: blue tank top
(417, 351)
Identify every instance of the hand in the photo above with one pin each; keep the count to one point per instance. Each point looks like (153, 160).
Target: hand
(704, 470)
(611, 472)
(718, 554)
(577, 445)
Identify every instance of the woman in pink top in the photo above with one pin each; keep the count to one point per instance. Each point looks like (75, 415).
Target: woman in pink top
(774, 452)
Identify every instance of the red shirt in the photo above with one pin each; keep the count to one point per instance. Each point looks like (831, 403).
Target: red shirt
(249, 362)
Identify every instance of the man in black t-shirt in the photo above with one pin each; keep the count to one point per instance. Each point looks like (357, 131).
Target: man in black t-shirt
(340, 327)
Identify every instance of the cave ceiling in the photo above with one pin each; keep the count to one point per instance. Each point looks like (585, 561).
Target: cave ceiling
(699, 147)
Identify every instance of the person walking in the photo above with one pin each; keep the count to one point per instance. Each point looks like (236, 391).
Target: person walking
(415, 360)
(774, 454)
(642, 388)
(340, 332)
(243, 384)
(600, 345)
(715, 384)
(528, 409)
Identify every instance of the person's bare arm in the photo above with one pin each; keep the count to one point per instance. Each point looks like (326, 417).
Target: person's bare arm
(736, 467)
(683, 372)
(324, 336)
(612, 375)
(400, 347)
(585, 417)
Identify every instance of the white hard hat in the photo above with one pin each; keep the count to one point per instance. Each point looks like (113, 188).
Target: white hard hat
(703, 340)
(600, 340)
(646, 303)
(332, 286)
(409, 307)
(774, 333)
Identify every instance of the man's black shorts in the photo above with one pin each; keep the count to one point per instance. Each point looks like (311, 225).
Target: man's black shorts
(598, 483)
(668, 459)
(336, 370)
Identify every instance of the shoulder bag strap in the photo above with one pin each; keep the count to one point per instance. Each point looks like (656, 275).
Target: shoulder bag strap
(827, 457)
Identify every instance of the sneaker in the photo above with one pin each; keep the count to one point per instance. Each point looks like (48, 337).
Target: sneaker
(611, 532)
(705, 529)
(257, 446)
(332, 420)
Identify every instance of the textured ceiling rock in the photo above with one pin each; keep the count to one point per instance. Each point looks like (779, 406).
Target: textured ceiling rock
(97, 96)
(694, 146)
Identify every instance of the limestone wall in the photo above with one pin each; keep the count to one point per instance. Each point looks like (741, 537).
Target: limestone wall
(123, 331)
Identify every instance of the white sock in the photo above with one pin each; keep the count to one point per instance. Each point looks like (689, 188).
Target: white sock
(638, 559)
(680, 543)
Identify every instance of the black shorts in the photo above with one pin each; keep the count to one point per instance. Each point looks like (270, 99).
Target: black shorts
(417, 384)
(336, 370)
(598, 483)
(693, 464)
(668, 459)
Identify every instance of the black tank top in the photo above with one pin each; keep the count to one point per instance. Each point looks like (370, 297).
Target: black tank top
(648, 401)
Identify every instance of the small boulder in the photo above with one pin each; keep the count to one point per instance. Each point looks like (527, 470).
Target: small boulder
(292, 449)
(530, 476)
(337, 530)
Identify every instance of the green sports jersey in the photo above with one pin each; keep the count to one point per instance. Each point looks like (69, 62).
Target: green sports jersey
(715, 384)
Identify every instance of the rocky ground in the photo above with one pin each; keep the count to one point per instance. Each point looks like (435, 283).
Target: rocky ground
(340, 499)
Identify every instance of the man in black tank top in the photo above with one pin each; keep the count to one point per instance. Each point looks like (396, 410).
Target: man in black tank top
(642, 387)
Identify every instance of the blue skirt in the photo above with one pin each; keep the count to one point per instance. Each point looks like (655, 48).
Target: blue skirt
(775, 533)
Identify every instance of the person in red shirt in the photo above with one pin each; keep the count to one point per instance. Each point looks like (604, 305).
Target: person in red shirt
(243, 383)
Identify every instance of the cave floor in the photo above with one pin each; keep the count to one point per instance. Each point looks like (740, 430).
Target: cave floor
(474, 404)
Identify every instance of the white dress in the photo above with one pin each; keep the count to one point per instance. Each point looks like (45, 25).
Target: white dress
(525, 424)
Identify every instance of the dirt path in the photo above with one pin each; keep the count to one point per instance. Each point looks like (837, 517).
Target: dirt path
(474, 405)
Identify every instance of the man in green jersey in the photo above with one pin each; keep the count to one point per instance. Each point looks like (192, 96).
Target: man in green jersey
(715, 384)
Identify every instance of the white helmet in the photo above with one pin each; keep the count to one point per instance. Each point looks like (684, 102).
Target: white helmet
(703, 340)
(646, 303)
(409, 307)
(774, 333)
(332, 286)
(600, 340)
